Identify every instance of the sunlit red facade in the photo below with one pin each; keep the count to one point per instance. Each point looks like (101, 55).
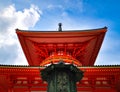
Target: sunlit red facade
(43, 48)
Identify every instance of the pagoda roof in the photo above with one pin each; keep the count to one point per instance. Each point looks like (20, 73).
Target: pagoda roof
(73, 40)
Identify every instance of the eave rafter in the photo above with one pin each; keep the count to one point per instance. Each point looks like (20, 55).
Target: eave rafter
(55, 49)
(41, 50)
(80, 49)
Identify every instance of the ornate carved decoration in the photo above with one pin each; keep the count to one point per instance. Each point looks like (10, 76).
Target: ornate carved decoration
(53, 52)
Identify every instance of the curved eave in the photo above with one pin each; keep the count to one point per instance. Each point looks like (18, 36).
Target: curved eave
(85, 30)
(68, 32)
(26, 37)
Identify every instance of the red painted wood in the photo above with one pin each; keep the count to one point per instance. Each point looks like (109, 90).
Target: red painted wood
(82, 45)
(25, 78)
(77, 47)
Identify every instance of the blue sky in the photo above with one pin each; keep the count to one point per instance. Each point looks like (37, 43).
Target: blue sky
(46, 14)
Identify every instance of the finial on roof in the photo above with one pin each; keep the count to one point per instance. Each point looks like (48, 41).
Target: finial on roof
(105, 27)
(60, 27)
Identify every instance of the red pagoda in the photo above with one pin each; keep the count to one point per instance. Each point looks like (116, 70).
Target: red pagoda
(43, 48)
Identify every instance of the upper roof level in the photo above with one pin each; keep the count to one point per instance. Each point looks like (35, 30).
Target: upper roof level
(79, 47)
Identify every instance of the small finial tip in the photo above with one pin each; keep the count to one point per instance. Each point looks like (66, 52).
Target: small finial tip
(60, 28)
(60, 24)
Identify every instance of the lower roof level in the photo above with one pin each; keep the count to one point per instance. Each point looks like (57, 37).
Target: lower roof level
(17, 78)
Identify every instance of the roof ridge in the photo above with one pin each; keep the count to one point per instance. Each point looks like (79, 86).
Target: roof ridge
(43, 66)
(62, 30)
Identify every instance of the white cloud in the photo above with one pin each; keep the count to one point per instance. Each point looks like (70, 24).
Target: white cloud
(10, 20)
